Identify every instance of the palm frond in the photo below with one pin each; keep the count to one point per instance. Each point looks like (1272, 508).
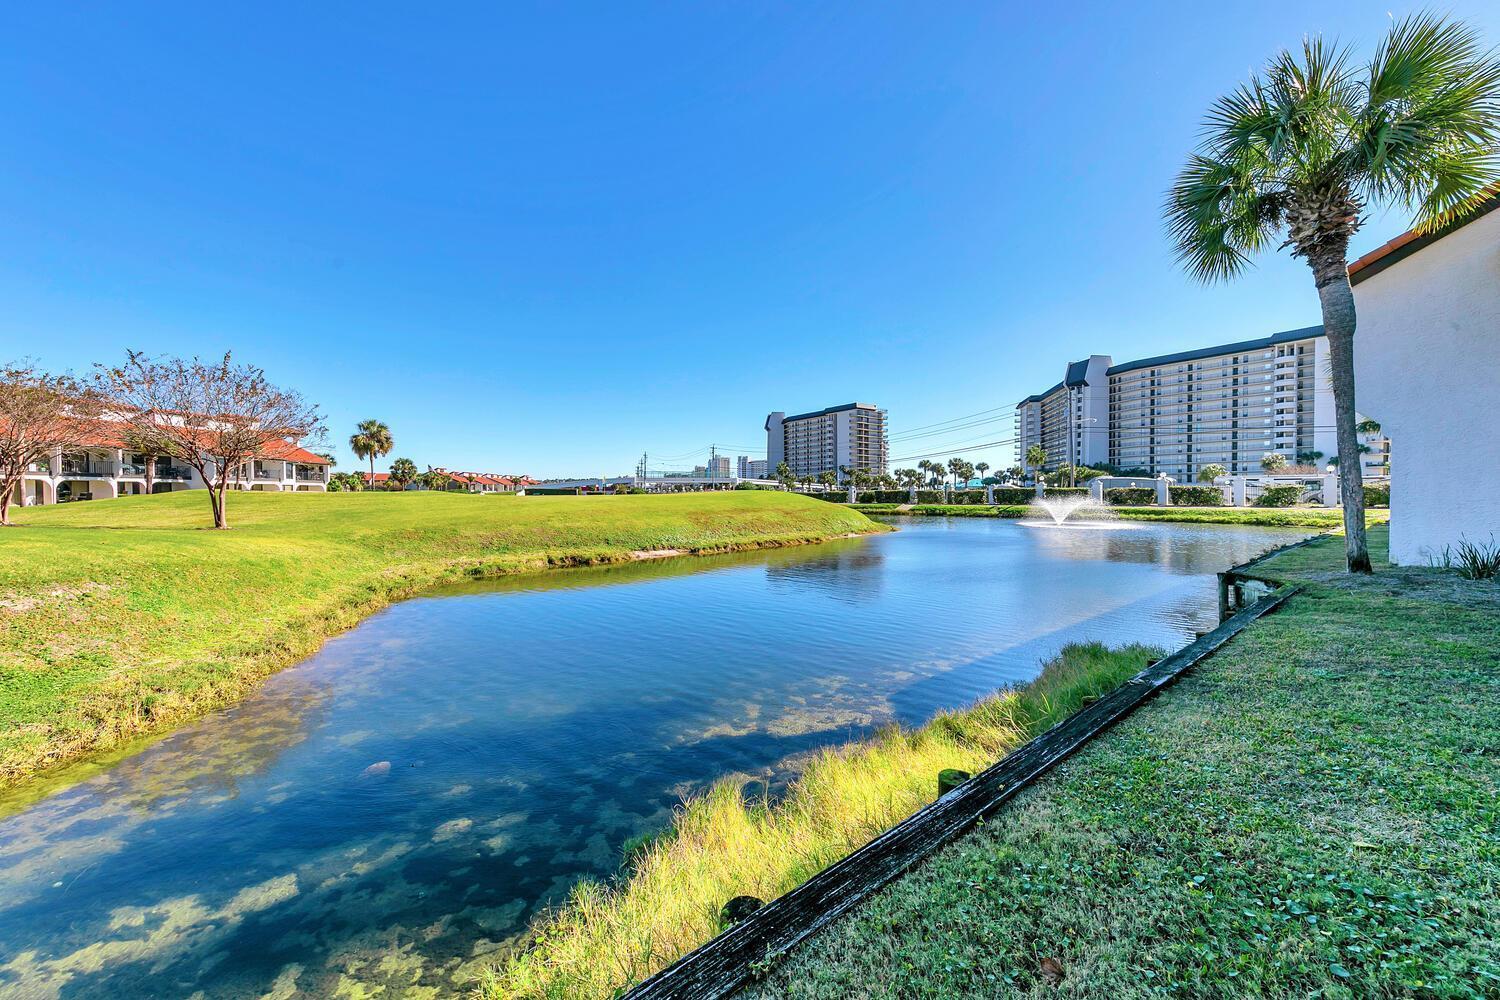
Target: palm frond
(1219, 218)
(1431, 129)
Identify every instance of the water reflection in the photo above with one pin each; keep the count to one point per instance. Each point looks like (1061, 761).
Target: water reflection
(391, 813)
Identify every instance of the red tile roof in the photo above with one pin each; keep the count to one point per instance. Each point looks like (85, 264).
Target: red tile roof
(1391, 249)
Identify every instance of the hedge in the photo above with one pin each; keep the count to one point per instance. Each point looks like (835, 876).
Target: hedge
(1196, 496)
(1378, 496)
(1279, 496)
(1130, 496)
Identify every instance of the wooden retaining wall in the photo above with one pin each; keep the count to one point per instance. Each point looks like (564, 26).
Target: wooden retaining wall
(732, 959)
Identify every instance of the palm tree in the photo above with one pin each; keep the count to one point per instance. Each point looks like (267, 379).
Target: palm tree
(1036, 456)
(1210, 472)
(1273, 461)
(982, 468)
(372, 440)
(403, 471)
(828, 479)
(955, 466)
(1368, 426)
(1305, 148)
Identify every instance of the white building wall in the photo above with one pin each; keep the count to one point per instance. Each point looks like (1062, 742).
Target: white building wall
(1427, 364)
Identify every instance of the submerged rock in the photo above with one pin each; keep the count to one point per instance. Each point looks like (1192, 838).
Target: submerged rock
(377, 770)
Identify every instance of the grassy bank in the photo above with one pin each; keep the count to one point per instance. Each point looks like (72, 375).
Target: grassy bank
(1282, 517)
(1310, 812)
(124, 618)
(721, 846)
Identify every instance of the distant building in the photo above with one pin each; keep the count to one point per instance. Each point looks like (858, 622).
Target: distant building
(1175, 413)
(1071, 419)
(852, 435)
(1426, 360)
(753, 468)
(718, 467)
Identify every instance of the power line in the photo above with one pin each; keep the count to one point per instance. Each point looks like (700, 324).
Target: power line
(952, 420)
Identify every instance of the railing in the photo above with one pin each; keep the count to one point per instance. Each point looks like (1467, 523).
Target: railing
(309, 476)
(131, 469)
(45, 468)
(267, 474)
(173, 472)
(76, 468)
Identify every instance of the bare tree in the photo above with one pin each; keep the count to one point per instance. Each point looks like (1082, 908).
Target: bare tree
(39, 413)
(215, 416)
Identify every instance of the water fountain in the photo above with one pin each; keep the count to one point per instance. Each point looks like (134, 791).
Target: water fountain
(1060, 511)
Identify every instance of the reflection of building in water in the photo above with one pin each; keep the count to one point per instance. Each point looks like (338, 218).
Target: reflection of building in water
(854, 574)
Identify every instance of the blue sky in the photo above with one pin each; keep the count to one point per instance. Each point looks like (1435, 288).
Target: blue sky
(547, 238)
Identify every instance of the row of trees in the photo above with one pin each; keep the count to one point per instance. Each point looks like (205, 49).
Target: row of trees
(211, 416)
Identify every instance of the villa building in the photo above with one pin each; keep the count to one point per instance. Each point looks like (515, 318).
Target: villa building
(103, 468)
(1427, 361)
(848, 436)
(1176, 413)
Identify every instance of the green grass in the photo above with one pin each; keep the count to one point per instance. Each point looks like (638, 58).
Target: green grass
(721, 845)
(1311, 813)
(123, 618)
(1289, 517)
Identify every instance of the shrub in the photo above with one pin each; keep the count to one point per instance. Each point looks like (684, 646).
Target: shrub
(1378, 496)
(1067, 491)
(1196, 496)
(1474, 560)
(1016, 496)
(929, 496)
(1279, 496)
(1130, 496)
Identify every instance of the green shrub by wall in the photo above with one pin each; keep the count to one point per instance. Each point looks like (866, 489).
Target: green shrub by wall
(1196, 496)
(1130, 496)
(1279, 496)
(1378, 496)
(1015, 495)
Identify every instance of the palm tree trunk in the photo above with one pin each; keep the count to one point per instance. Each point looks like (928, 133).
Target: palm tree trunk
(1337, 298)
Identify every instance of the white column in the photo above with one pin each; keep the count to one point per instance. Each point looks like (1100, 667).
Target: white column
(989, 493)
(1237, 490)
(1163, 491)
(913, 494)
(851, 494)
(1041, 487)
(1331, 490)
(1096, 489)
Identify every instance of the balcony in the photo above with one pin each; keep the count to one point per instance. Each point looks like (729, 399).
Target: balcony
(309, 475)
(83, 468)
(264, 475)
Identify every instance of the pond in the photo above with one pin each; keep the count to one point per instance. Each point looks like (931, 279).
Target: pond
(393, 810)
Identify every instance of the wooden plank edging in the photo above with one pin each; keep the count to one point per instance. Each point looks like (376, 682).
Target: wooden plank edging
(729, 961)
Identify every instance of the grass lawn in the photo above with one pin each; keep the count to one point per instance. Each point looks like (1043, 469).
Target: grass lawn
(123, 618)
(1288, 517)
(1310, 813)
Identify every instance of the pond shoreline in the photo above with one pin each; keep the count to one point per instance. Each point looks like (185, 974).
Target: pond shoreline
(125, 712)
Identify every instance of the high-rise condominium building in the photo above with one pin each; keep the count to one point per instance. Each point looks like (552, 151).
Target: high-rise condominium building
(1174, 414)
(753, 468)
(718, 467)
(848, 436)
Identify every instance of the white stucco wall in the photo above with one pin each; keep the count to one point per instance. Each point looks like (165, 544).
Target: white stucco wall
(1427, 365)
